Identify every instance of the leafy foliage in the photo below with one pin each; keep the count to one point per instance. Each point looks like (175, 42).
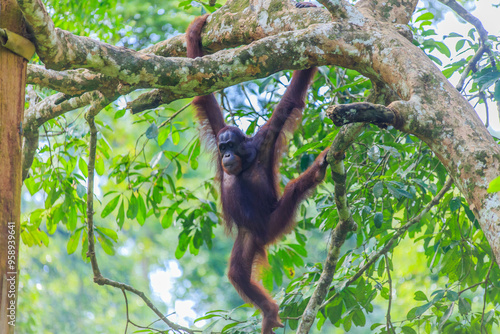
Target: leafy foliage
(156, 188)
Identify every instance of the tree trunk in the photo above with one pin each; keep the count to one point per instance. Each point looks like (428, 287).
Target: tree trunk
(12, 87)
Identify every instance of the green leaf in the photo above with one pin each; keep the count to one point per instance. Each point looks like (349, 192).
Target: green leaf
(497, 91)
(73, 241)
(176, 138)
(441, 47)
(32, 186)
(152, 131)
(393, 151)
(421, 309)
(381, 268)
(469, 212)
(299, 249)
(452, 295)
(84, 168)
(486, 77)
(182, 246)
(378, 219)
(42, 236)
(72, 218)
(81, 191)
(171, 184)
(359, 318)
(27, 238)
(163, 135)
(494, 185)
(133, 207)
(306, 147)
(459, 45)
(424, 17)
(156, 159)
(378, 189)
(463, 306)
(435, 59)
(197, 239)
(305, 161)
(206, 317)
(194, 153)
(106, 245)
(167, 219)
(446, 316)
(110, 206)
(471, 34)
(455, 204)
(420, 296)
(408, 330)
(120, 218)
(228, 326)
(99, 165)
(394, 192)
(438, 295)
(141, 213)
(178, 172)
(108, 232)
(120, 113)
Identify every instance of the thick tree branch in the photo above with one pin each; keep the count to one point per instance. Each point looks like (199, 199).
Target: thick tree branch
(62, 50)
(394, 11)
(363, 112)
(338, 8)
(72, 82)
(114, 62)
(184, 76)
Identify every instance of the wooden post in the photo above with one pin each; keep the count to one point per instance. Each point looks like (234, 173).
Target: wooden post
(12, 89)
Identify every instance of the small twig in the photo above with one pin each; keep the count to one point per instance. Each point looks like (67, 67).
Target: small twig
(464, 13)
(126, 310)
(482, 95)
(98, 278)
(389, 326)
(471, 66)
(483, 37)
(486, 294)
(174, 115)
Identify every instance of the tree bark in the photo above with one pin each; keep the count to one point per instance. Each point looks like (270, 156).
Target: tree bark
(12, 86)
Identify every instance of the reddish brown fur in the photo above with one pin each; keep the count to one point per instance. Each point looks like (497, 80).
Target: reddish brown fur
(250, 197)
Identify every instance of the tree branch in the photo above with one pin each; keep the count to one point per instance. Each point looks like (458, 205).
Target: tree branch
(338, 8)
(45, 110)
(363, 112)
(394, 238)
(483, 37)
(337, 238)
(388, 323)
(344, 139)
(98, 278)
(72, 82)
(394, 11)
